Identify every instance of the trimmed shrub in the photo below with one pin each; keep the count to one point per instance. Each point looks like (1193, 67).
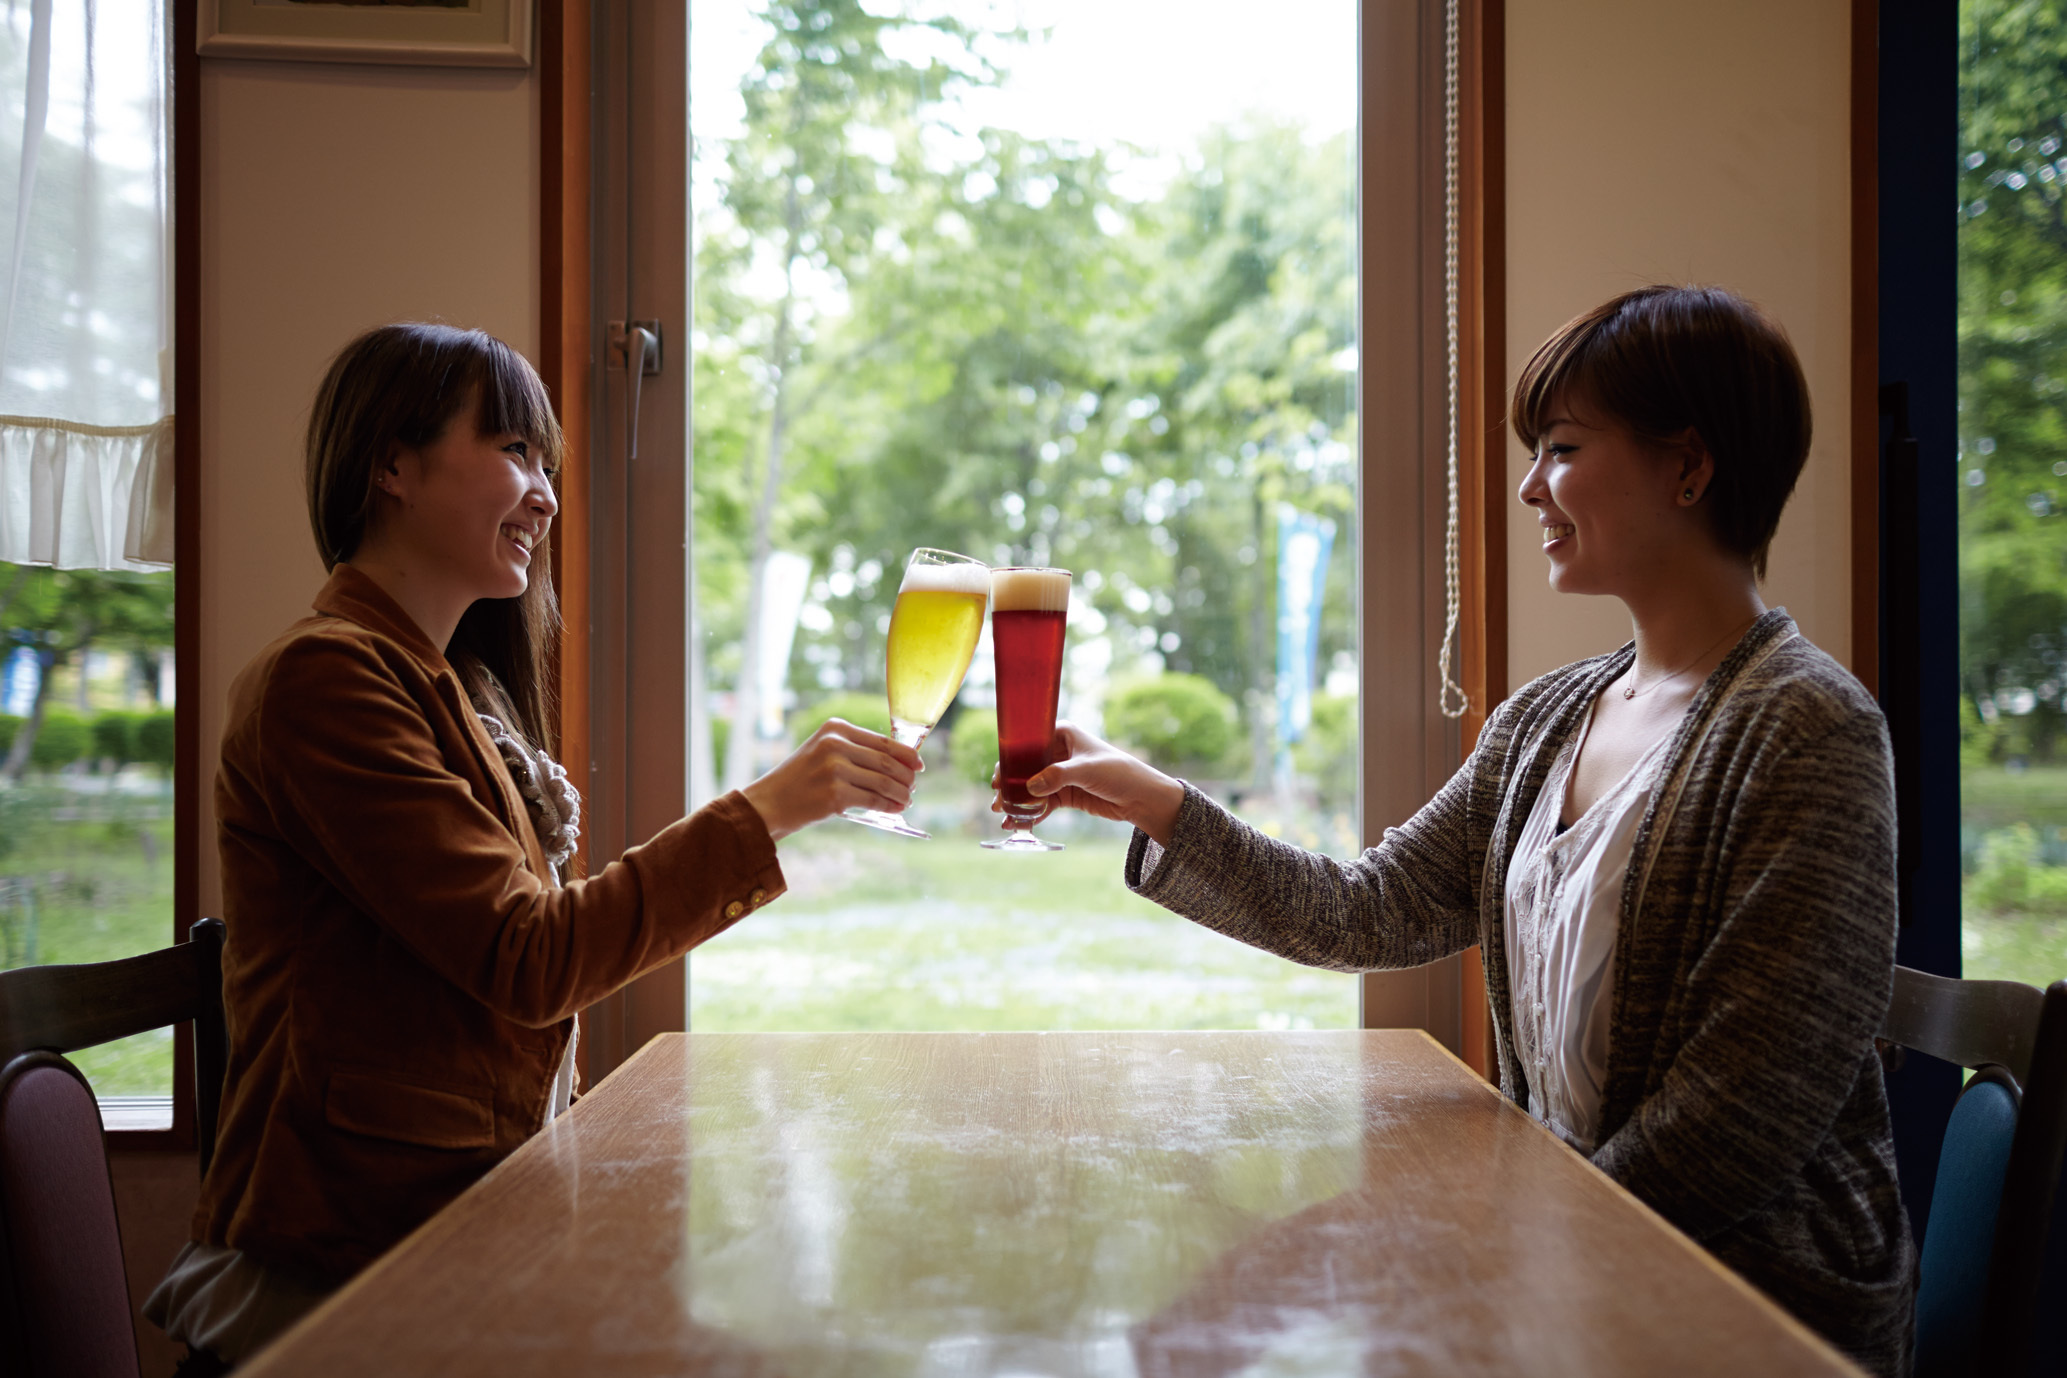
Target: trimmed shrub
(871, 711)
(972, 745)
(114, 737)
(1177, 721)
(155, 740)
(63, 739)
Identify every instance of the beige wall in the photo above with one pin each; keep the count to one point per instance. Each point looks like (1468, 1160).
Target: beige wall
(1677, 142)
(333, 198)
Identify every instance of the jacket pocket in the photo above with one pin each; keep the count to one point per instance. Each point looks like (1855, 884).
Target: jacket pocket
(381, 1108)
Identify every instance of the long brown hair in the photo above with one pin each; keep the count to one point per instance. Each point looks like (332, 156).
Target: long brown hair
(402, 385)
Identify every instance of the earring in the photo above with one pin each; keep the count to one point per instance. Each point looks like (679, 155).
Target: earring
(1688, 495)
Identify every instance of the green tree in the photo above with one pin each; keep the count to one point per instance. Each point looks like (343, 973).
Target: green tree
(1250, 366)
(827, 159)
(992, 348)
(64, 612)
(2012, 478)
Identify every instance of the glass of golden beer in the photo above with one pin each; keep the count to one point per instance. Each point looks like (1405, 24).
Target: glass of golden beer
(1028, 610)
(933, 633)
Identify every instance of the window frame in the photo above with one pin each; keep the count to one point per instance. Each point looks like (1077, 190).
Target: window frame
(1409, 748)
(180, 31)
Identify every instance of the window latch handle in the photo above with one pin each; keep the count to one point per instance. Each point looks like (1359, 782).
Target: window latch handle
(631, 340)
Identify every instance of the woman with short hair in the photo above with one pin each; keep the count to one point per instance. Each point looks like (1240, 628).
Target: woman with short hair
(1677, 859)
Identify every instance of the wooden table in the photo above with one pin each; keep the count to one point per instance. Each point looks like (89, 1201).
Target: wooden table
(1093, 1203)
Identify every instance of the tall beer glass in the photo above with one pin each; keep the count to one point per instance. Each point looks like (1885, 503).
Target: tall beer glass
(933, 633)
(1028, 609)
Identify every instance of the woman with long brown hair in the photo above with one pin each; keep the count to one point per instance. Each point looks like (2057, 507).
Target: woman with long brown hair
(1677, 859)
(403, 964)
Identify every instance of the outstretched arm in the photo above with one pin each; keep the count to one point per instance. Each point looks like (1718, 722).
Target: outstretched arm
(356, 782)
(1409, 900)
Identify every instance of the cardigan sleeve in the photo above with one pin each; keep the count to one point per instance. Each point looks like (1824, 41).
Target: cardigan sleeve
(1411, 899)
(1788, 994)
(360, 787)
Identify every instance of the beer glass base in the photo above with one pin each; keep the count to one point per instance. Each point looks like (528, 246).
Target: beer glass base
(888, 822)
(1021, 842)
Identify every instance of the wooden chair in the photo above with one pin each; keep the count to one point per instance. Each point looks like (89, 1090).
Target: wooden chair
(1984, 1246)
(64, 1301)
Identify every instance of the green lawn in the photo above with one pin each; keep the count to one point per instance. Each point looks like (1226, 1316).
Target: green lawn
(1996, 798)
(89, 879)
(2015, 928)
(883, 932)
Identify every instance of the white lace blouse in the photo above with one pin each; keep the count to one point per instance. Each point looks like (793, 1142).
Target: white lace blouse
(1563, 910)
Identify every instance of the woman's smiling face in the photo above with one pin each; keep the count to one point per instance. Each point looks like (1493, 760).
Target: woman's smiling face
(473, 505)
(1611, 506)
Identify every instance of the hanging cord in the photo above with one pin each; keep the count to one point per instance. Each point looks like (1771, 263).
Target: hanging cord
(1452, 699)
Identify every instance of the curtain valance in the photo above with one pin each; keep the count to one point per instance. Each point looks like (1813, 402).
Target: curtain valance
(85, 497)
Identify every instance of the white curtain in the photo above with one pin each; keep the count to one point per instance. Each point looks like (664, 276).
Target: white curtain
(86, 456)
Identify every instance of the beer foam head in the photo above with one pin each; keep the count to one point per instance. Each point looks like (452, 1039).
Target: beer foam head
(956, 578)
(1029, 590)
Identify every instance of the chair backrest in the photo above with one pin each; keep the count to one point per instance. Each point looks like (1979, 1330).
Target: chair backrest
(65, 1297)
(64, 1301)
(1997, 1190)
(1971, 1023)
(61, 1009)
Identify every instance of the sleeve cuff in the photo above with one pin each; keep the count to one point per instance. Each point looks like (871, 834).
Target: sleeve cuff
(1146, 856)
(756, 870)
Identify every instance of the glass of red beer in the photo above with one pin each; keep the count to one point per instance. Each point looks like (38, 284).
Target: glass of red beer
(1028, 609)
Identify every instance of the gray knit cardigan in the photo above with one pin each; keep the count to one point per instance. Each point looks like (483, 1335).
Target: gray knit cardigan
(1754, 962)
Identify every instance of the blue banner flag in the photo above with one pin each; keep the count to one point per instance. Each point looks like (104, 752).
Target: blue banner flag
(1304, 542)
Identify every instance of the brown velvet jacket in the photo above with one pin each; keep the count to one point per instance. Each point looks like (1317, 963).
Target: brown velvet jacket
(400, 975)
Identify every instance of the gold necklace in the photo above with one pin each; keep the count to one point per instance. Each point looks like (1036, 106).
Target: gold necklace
(1632, 691)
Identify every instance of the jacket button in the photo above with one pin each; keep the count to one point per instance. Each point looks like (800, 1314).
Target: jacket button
(758, 898)
(734, 909)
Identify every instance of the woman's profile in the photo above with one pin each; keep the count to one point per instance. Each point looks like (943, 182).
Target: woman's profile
(403, 963)
(1677, 858)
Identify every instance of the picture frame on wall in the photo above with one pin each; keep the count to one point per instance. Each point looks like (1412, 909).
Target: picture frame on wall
(416, 33)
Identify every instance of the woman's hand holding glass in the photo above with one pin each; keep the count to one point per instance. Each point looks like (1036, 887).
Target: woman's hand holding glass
(1098, 778)
(840, 766)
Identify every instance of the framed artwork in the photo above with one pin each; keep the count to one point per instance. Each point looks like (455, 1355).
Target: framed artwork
(420, 33)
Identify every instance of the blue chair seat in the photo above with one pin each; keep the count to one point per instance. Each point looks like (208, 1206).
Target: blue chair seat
(1960, 1238)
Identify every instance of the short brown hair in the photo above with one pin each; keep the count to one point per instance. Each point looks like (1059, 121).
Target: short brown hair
(402, 385)
(1663, 360)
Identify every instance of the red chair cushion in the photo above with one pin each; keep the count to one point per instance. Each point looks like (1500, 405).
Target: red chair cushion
(58, 1210)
